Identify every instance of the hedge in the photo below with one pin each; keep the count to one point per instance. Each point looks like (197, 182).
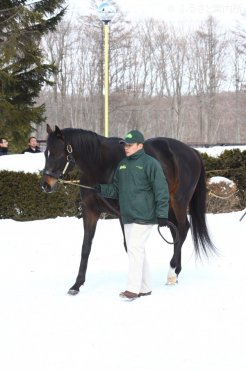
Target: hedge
(22, 199)
(232, 165)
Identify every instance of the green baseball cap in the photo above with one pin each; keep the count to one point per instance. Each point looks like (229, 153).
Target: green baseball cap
(132, 137)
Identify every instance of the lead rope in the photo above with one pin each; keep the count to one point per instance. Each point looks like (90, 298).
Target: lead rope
(74, 184)
(91, 188)
(176, 232)
(170, 224)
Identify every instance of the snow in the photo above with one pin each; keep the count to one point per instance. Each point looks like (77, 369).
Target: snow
(27, 163)
(199, 324)
(218, 179)
(215, 151)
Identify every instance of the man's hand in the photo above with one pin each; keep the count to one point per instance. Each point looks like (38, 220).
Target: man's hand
(96, 188)
(162, 222)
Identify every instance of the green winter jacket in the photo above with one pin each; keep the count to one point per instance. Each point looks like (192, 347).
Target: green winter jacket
(141, 187)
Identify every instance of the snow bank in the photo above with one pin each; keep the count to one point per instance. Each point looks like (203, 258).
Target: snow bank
(215, 151)
(27, 162)
(218, 179)
(34, 163)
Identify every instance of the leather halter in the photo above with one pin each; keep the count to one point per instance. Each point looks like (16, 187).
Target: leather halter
(60, 174)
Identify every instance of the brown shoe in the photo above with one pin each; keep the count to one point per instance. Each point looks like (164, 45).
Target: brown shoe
(129, 295)
(144, 294)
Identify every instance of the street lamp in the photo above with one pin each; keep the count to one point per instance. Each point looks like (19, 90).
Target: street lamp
(106, 12)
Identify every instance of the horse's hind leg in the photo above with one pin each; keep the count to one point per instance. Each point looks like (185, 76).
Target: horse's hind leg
(182, 223)
(90, 219)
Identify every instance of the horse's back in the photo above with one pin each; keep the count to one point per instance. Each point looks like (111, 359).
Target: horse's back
(181, 163)
(163, 147)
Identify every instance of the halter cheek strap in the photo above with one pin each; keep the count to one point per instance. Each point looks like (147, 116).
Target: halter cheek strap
(70, 160)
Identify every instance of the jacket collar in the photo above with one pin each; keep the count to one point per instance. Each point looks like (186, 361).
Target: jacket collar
(136, 155)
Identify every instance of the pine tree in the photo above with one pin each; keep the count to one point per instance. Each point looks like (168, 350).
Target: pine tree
(23, 70)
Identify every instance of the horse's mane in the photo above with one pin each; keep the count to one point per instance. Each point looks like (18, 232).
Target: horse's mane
(87, 143)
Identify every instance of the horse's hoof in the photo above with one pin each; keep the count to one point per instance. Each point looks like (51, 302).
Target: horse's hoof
(172, 280)
(73, 292)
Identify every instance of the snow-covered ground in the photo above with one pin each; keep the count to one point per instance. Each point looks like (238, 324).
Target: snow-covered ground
(198, 324)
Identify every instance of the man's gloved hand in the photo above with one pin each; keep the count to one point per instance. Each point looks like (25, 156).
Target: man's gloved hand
(97, 188)
(162, 221)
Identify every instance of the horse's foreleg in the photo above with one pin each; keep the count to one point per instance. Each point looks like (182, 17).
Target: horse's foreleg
(90, 222)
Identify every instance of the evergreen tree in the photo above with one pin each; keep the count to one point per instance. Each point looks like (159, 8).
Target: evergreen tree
(23, 70)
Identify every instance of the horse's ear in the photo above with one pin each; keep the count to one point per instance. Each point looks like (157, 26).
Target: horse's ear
(58, 132)
(48, 128)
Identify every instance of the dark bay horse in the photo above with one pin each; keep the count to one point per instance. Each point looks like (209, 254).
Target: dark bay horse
(97, 158)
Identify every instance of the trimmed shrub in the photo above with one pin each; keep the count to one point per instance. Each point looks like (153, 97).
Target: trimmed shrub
(21, 198)
(232, 165)
(222, 197)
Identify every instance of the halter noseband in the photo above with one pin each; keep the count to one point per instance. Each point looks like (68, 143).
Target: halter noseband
(60, 174)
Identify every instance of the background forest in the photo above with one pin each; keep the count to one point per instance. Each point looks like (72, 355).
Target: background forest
(183, 82)
(187, 84)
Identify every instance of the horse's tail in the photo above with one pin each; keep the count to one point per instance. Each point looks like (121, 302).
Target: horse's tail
(197, 211)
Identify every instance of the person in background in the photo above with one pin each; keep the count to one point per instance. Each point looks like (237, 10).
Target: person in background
(141, 187)
(4, 146)
(32, 146)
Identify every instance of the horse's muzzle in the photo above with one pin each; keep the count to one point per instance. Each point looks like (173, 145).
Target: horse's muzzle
(55, 175)
(49, 181)
(46, 187)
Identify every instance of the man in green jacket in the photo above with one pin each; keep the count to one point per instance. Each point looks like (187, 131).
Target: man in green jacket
(141, 187)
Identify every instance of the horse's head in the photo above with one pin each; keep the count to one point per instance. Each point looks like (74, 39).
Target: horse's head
(58, 158)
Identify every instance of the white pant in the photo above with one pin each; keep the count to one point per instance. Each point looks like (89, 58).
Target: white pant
(138, 274)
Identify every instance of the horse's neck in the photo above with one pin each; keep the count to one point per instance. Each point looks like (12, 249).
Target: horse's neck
(112, 154)
(102, 169)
